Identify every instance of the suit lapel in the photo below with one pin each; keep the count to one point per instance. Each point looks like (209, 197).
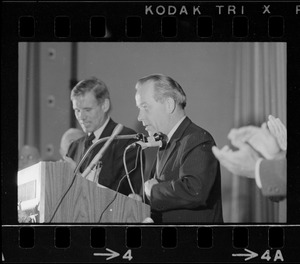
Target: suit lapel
(165, 155)
(108, 129)
(106, 133)
(172, 144)
(82, 142)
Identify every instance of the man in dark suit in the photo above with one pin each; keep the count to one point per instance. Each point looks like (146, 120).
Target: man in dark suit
(185, 184)
(91, 104)
(272, 175)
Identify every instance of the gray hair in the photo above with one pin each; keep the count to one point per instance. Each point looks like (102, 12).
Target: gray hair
(165, 87)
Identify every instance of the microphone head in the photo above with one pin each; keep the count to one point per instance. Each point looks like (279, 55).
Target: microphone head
(141, 137)
(161, 137)
(163, 144)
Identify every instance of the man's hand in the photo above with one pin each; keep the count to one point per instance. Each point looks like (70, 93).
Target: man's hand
(148, 220)
(148, 186)
(259, 138)
(135, 197)
(241, 162)
(278, 130)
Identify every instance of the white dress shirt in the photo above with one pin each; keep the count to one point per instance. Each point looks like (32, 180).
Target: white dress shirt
(171, 133)
(99, 131)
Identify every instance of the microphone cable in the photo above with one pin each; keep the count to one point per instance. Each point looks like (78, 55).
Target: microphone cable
(138, 136)
(72, 182)
(142, 174)
(126, 170)
(119, 184)
(74, 177)
(62, 198)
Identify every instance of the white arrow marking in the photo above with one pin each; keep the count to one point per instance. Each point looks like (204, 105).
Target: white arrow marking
(111, 255)
(250, 256)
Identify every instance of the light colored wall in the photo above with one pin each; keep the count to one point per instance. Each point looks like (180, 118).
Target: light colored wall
(55, 96)
(204, 70)
(44, 88)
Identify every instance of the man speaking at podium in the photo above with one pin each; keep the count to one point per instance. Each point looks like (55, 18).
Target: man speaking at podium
(91, 104)
(185, 184)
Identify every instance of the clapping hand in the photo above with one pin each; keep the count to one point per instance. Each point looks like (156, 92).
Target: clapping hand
(253, 143)
(259, 138)
(278, 130)
(239, 162)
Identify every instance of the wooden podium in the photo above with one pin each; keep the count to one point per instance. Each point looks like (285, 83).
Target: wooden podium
(43, 184)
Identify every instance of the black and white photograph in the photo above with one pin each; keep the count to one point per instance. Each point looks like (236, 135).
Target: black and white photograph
(150, 131)
(219, 107)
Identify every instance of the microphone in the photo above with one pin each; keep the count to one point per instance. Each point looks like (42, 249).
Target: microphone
(100, 154)
(138, 137)
(158, 140)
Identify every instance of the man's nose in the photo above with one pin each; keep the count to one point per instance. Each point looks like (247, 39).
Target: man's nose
(140, 116)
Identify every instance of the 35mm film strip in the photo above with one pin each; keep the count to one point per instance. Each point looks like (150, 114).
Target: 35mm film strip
(147, 22)
(194, 244)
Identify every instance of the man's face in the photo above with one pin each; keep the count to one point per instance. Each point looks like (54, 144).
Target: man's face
(153, 114)
(90, 114)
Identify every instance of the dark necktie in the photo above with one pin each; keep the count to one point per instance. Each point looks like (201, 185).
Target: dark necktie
(161, 152)
(159, 156)
(89, 141)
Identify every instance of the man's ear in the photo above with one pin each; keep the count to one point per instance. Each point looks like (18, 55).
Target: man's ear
(105, 105)
(170, 105)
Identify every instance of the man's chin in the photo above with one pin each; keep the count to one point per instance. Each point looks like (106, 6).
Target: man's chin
(151, 131)
(86, 130)
(150, 134)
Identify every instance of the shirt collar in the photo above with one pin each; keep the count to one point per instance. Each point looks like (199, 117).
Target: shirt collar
(99, 131)
(171, 133)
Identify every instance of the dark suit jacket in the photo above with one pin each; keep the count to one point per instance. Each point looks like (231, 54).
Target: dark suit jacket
(273, 179)
(189, 188)
(112, 161)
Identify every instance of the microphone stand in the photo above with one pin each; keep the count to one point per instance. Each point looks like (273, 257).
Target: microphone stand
(138, 137)
(98, 163)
